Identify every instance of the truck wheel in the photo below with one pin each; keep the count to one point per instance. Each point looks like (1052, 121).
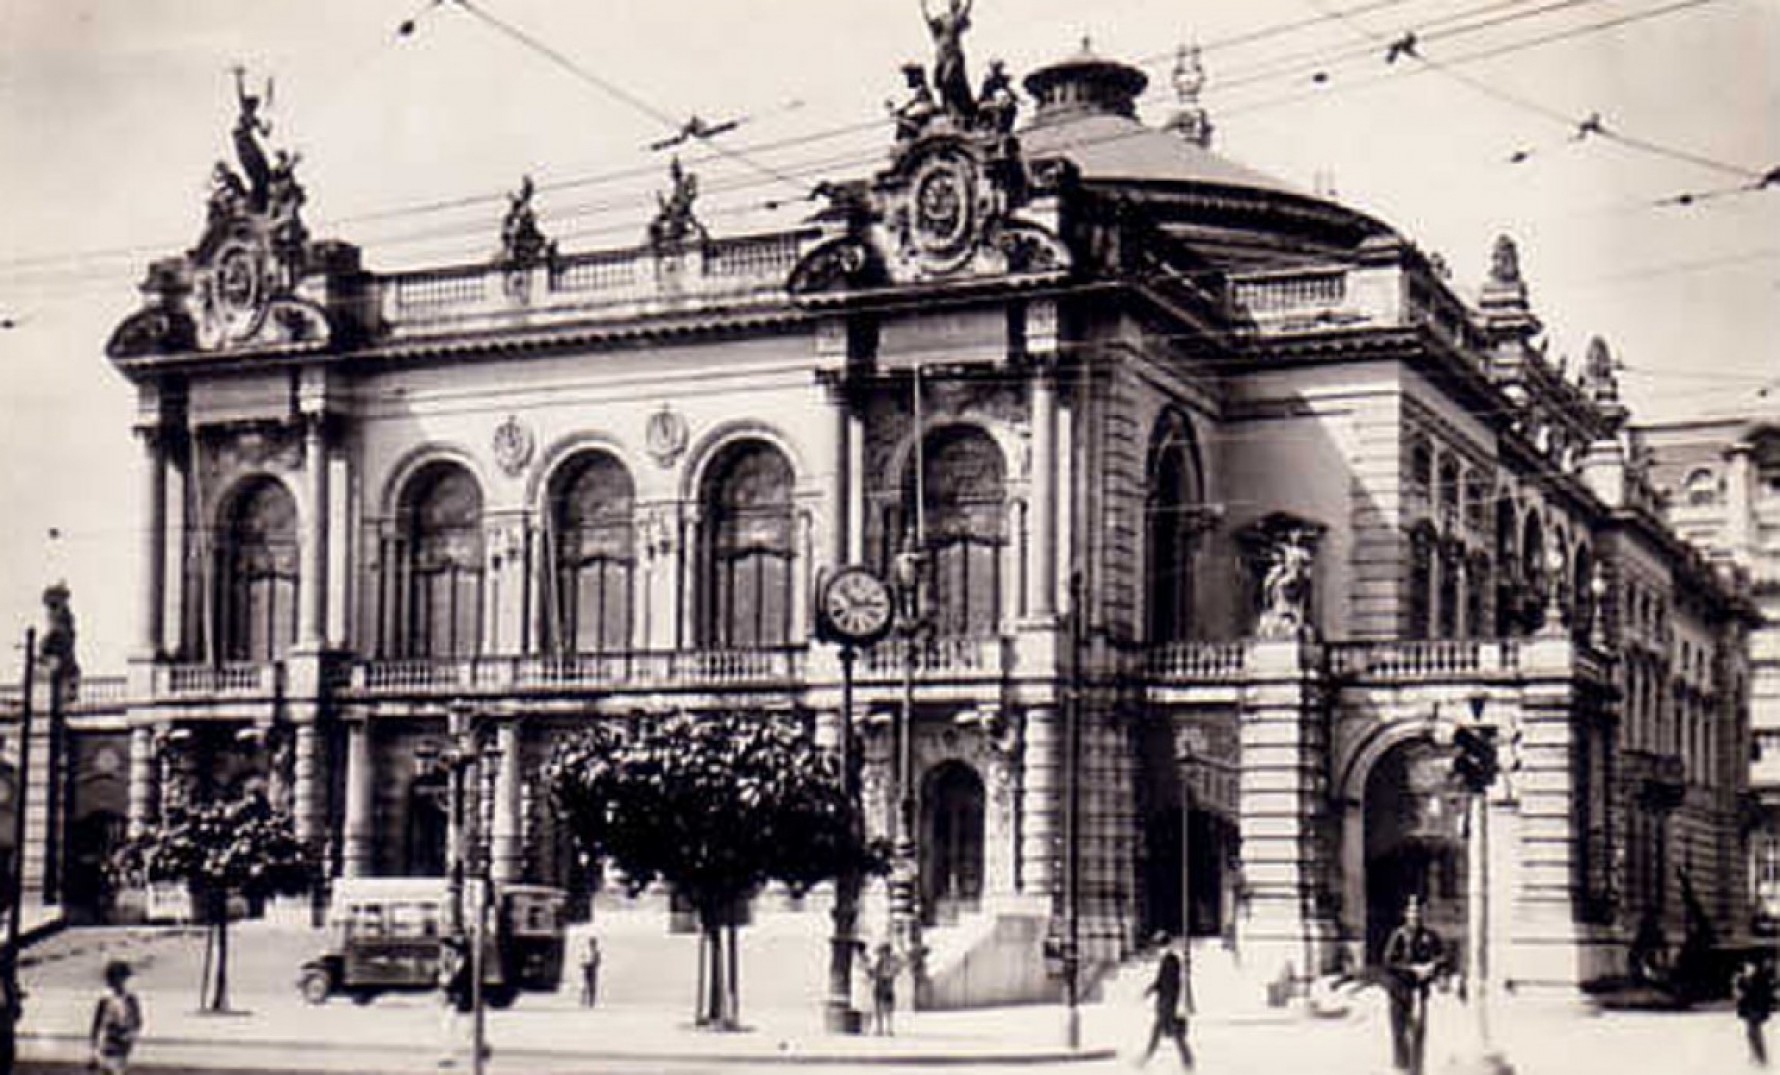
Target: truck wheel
(500, 996)
(315, 985)
(362, 997)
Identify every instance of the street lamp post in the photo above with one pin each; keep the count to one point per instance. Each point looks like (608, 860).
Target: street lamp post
(15, 879)
(908, 571)
(1072, 866)
(1476, 765)
(462, 758)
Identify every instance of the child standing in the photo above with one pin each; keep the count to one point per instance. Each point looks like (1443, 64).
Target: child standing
(117, 1021)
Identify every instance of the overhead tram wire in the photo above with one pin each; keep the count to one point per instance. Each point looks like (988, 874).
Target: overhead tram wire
(810, 137)
(609, 87)
(1447, 66)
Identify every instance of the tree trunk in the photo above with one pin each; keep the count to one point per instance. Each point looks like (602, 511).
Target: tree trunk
(222, 957)
(733, 1015)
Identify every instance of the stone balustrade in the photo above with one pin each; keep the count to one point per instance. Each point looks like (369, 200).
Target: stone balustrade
(935, 658)
(236, 678)
(1194, 662)
(1428, 661)
(616, 284)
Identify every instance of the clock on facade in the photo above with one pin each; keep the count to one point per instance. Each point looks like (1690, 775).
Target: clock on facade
(855, 607)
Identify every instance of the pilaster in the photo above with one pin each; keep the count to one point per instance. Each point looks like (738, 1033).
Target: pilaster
(1285, 925)
(358, 829)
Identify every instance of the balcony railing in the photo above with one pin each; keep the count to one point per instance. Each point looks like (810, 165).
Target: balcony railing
(936, 657)
(234, 678)
(1197, 662)
(1407, 662)
(612, 283)
(626, 669)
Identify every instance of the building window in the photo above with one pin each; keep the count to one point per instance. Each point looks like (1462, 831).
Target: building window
(1174, 497)
(1449, 491)
(1452, 561)
(1701, 488)
(587, 602)
(258, 570)
(747, 549)
(441, 527)
(965, 490)
(1421, 582)
(1421, 468)
(1477, 586)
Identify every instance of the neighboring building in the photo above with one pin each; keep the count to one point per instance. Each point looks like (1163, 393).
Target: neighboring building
(1720, 477)
(1322, 509)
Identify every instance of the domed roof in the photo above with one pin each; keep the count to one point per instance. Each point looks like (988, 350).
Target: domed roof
(1105, 145)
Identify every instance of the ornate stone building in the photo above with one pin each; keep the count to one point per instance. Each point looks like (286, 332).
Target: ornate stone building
(1720, 479)
(1225, 500)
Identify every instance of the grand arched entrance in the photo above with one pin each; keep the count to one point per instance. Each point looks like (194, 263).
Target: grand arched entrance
(952, 852)
(1414, 844)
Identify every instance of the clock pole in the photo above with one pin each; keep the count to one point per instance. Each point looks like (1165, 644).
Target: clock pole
(842, 1017)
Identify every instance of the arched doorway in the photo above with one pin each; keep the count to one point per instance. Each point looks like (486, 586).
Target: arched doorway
(952, 852)
(1414, 844)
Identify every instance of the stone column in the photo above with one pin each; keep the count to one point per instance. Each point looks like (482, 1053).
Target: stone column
(306, 776)
(1041, 802)
(144, 796)
(1282, 798)
(357, 832)
(312, 561)
(1739, 503)
(1041, 580)
(339, 568)
(150, 634)
(507, 836)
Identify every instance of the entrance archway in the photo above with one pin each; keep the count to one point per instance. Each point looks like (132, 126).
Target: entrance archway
(1414, 844)
(428, 824)
(952, 853)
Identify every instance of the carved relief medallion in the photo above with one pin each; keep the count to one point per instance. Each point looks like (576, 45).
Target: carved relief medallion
(665, 436)
(943, 198)
(513, 445)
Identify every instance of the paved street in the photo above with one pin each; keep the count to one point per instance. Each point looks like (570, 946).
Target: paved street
(643, 1026)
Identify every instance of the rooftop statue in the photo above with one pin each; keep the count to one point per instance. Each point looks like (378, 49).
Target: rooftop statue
(674, 222)
(997, 107)
(1505, 262)
(913, 115)
(522, 241)
(949, 76)
(250, 127)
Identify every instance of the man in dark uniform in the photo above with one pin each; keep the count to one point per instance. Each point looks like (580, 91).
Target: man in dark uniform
(1170, 988)
(1412, 957)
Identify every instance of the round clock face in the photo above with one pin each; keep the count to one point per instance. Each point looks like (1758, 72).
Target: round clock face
(856, 605)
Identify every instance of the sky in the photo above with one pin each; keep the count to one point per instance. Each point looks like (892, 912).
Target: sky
(113, 111)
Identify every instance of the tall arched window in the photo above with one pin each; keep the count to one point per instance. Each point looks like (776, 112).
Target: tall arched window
(441, 524)
(1582, 589)
(587, 607)
(258, 572)
(1175, 492)
(1532, 561)
(1507, 570)
(746, 592)
(1421, 582)
(965, 489)
(1477, 583)
(1452, 566)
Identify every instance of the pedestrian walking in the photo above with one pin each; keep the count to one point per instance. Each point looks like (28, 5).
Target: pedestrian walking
(1413, 956)
(1172, 989)
(11, 1008)
(117, 1022)
(1753, 988)
(590, 972)
(882, 968)
(453, 977)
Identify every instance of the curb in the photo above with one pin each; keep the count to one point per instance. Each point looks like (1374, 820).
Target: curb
(785, 1056)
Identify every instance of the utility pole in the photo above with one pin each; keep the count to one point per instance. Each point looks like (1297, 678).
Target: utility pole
(1072, 824)
(15, 879)
(1476, 765)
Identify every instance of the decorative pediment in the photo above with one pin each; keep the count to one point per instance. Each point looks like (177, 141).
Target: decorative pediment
(236, 286)
(959, 201)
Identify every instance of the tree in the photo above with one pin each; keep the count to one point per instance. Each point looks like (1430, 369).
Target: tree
(241, 846)
(715, 807)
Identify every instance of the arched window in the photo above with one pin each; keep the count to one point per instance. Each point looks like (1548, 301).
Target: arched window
(1449, 490)
(1421, 468)
(1477, 584)
(587, 603)
(965, 490)
(745, 596)
(1174, 496)
(1532, 561)
(441, 528)
(1507, 569)
(1452, 560)
(1701, 488)
(258, 572)
(1421, 582)
(1582, 589)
